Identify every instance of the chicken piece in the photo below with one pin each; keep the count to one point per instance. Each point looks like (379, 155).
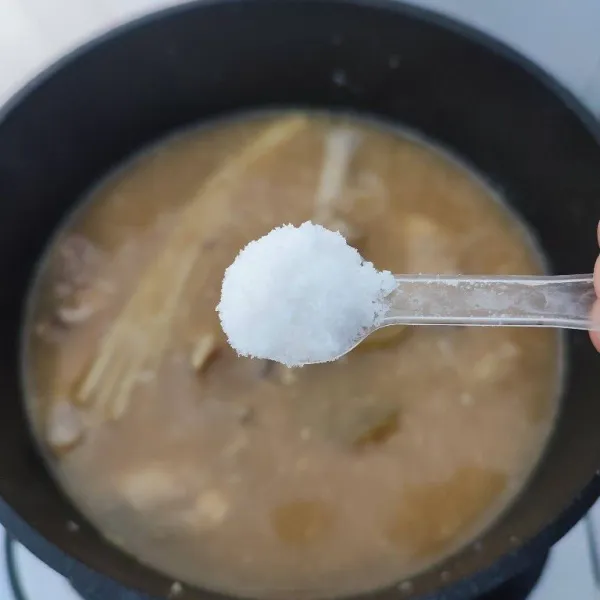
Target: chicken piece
(79, 291)
(80, 261)
(150, 488)
(495, 364)
(64, 427)
(209, 511)
(84, 303)
(73, 315)
(428, 248)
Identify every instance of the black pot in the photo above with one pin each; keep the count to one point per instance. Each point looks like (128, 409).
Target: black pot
(490, 106)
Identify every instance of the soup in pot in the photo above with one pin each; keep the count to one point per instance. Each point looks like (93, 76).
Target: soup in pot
(242, 475)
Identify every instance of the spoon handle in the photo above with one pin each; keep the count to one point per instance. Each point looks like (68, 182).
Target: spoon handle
(559, 301)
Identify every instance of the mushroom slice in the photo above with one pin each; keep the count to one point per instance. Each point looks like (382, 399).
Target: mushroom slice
(204, 352)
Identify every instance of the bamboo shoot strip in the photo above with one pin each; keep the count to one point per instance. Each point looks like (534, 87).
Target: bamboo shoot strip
(137, 338)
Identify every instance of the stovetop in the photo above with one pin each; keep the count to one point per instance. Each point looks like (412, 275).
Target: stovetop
(571, 571)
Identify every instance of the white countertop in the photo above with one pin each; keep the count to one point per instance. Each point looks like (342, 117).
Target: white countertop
(563, 36)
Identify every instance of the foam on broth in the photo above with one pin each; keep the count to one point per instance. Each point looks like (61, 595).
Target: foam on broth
(244, 476)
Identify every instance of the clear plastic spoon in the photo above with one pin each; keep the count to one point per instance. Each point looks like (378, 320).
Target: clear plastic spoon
(509, 301)
(558, 301)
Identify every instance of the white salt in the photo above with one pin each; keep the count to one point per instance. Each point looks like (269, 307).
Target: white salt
(301, 295)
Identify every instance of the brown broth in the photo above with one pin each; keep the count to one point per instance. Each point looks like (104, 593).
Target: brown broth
(244, 476)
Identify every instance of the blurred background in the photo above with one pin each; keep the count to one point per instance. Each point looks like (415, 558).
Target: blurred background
(563, 36)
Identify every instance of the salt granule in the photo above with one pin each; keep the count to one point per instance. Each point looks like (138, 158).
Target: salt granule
(301, 295)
